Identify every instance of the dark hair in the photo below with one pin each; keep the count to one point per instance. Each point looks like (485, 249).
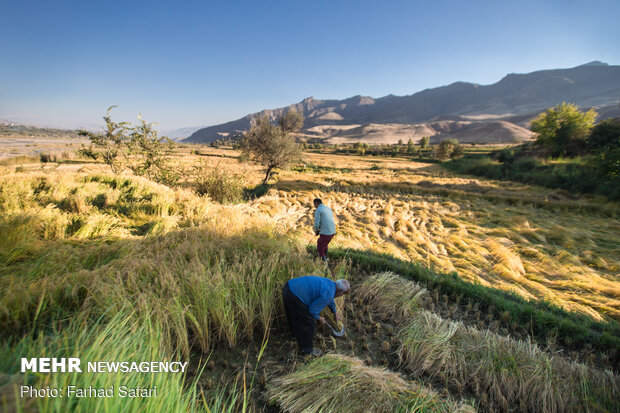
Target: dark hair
(318, 201)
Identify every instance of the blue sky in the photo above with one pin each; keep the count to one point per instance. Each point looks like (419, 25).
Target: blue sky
(185, 64)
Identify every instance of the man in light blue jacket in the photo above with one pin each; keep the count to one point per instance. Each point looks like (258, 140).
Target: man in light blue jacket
(324, 227)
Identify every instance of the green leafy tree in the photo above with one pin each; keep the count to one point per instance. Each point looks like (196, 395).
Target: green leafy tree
(604, 143)
(608, 164)
(447, 149)
(563, 130)
(410, 147)
(272, 145)
(424, 142)
(603, 135)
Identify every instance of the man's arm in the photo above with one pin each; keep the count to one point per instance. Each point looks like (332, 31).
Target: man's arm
(332, 306)
(318, 305)
(326, 298)
(317, 220)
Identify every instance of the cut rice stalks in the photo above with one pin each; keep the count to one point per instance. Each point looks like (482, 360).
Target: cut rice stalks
(336, 383)
(392, 295)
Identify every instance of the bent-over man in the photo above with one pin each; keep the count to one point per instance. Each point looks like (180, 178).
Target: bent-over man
(304, 298)
(324, 227)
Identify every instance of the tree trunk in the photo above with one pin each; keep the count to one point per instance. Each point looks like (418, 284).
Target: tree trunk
(267, 175)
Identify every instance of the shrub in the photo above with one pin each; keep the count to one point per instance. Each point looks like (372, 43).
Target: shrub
(605, 134)
(448, 149)
(46, 157)
(221, 186)
(526, 164)
(604, 142)
(138, 148)
(506, 155)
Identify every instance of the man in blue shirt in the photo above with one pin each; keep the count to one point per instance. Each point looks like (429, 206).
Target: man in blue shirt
(324, 227)
(304, 298)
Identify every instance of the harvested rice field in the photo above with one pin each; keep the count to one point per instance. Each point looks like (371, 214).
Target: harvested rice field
(539, 243)
(467, 294)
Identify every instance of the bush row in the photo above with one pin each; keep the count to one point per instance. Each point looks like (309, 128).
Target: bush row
(575, 175)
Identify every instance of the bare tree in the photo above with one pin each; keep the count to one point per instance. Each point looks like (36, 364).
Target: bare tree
(138, 148)
(109, 143)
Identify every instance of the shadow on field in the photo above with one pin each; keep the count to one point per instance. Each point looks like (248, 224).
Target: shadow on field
(551, 199)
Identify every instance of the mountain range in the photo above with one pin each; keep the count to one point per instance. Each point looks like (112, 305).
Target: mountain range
(469, 112)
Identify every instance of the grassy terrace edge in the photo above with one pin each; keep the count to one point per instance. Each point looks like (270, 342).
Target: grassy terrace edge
(542, 318)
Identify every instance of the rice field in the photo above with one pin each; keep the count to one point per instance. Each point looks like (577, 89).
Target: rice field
(538, 243)
(121, 267)
(498, 369)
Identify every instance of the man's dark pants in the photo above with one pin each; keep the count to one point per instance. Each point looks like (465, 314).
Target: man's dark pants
(321, 245)
(300, 321)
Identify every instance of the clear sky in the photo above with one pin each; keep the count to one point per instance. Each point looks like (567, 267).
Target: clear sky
(182, 64)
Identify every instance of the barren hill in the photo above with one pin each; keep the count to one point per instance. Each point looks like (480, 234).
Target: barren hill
(469, 112)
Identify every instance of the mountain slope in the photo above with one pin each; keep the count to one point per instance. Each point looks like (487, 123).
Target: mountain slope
(487, 107)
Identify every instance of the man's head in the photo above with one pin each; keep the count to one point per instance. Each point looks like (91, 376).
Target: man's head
(317, 202)
(342, 287)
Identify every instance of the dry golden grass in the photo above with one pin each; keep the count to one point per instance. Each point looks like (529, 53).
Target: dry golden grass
(204, 272)
(536, 242)
(78, 240)
(500, 370)
(336, 383)
(404, 296)
(506, 371)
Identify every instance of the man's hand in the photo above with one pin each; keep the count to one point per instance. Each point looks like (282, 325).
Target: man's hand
(321, 320)
(316, 232)
(338, 317)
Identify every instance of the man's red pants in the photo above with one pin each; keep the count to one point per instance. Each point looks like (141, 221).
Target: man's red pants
(321, 245)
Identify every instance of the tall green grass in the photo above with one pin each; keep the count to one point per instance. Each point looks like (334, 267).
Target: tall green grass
(198, 285)
(575, 175)
(122, 338)
(201, 275)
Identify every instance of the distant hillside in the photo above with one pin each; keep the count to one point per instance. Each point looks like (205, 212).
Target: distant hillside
(470, 112)
(180, 134)
(8, 129)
